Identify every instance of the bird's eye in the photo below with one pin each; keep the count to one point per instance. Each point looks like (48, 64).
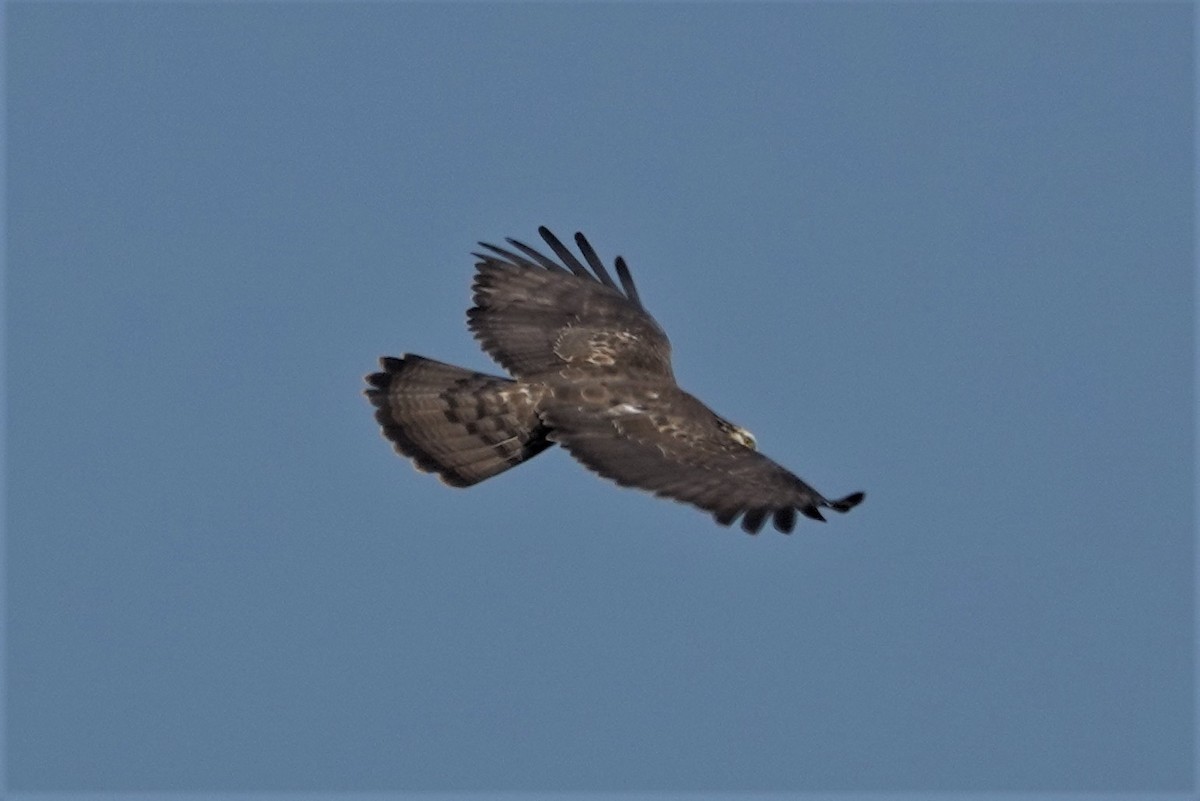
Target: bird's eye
(745, 438)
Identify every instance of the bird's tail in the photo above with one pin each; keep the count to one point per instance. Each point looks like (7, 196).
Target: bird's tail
(464, 426)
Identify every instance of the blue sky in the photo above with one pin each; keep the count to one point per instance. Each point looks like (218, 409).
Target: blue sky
(943, 254)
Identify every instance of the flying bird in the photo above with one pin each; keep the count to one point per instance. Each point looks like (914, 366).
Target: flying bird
(591, 371)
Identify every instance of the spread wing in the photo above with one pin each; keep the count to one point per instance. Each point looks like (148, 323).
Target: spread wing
(661, 439)
(535, 315)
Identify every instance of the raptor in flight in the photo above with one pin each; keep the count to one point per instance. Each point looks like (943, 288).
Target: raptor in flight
(591, 371)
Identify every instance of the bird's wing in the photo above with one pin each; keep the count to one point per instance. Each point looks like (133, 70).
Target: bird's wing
(673, 446)
(535, 315)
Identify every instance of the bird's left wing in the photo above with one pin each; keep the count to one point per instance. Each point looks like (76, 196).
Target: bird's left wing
(680, 452)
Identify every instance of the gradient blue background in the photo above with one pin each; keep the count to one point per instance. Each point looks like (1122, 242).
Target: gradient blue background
(940, 253)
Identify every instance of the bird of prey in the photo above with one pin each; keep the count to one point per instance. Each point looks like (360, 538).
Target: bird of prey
(591, 371)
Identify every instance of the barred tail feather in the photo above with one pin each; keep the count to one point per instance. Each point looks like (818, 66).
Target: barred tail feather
(464, 426)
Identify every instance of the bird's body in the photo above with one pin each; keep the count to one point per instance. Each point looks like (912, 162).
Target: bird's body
(591, 371)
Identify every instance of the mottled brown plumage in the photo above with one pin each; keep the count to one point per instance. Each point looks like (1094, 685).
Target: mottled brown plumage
(591, 371)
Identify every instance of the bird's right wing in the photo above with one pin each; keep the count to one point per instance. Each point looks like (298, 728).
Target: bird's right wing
(535, 315)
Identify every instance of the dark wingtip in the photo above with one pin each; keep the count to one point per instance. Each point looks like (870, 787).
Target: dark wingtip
(752, 523)
(811, 511)
(785, 519)
(564, 254)
(593, 260)
(627, 280)
(847, 503)
(726, 517)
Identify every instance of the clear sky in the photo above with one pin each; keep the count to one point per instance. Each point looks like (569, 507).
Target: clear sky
(942, 254)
